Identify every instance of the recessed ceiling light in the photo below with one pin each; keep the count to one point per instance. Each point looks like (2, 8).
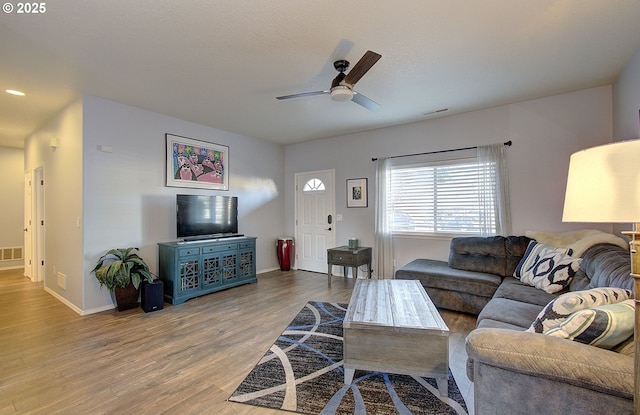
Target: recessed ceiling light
(14, 92)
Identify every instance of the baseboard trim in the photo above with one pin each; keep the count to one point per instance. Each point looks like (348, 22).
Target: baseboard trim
(74, 307)
(111, 307)
(10, 268)
(63, 300)
(264, 271)
(98, 310)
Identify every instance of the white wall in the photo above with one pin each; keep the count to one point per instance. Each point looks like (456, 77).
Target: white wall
(626, 101)
(545, 132)
(121, 199)
(626, 109)
(12, 191)
(95, 201)
(125, 199)
(63, 200)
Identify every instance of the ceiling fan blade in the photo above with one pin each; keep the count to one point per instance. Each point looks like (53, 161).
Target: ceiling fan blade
(304, 94)
(368, 103)
(362, 67)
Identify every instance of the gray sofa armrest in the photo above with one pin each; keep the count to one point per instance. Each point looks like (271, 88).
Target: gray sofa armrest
(553, 359)
(516, 372)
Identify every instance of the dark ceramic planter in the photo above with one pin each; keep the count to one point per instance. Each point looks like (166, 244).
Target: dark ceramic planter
(127, 297)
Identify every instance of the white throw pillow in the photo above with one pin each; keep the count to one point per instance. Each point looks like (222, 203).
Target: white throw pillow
(547, 268)
(562, 307)
(604, 326)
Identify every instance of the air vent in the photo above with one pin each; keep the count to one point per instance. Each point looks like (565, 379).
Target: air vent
(441, 110)
(11, 253)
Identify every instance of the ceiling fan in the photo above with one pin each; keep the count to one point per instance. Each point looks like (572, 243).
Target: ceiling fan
(342, 85)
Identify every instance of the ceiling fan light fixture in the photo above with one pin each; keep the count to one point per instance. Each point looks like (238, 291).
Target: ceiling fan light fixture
(341, 93)
(342, 85)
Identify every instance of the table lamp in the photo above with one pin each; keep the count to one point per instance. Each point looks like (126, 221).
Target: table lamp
(603, 187)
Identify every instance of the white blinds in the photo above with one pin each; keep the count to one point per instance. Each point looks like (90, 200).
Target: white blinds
(442, 198)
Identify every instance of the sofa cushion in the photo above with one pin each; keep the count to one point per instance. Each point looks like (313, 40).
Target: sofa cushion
(604, 326)
(580, 281)
(514, 289)
(607, 265)
(534, 366)
(478, 254)
(496, 255)
(515, 247)
(547, 268)
(495, 324)
(566, 304)
(511, 312)
(626, 348)
(438, 274)
(457, 300)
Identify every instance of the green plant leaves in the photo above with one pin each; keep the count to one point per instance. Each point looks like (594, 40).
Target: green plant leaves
(120, 267)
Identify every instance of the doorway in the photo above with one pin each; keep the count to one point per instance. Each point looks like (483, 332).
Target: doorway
(315, 219)
(34, 225)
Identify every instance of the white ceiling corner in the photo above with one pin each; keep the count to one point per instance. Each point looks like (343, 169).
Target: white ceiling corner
(222, 63)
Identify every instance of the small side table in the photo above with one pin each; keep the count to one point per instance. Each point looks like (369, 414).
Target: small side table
(343, 255)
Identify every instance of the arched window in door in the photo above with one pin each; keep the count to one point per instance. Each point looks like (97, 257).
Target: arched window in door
(313, 185)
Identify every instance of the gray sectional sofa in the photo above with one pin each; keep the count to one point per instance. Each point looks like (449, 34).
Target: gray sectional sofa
(519, 372)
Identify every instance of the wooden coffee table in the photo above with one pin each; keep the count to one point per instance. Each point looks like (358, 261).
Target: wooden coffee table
(392, 326)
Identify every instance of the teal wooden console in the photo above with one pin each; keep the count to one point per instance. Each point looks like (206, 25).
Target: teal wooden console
(192, 269)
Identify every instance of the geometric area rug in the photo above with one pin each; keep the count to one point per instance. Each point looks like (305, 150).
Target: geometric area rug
(302, 372)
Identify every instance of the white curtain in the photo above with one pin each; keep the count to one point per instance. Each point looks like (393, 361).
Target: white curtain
(494, 190)
(383, 248)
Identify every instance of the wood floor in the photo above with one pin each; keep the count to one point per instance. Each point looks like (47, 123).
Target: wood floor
(184, 359)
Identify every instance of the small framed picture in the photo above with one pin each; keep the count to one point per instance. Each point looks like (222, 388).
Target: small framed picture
(357, 193)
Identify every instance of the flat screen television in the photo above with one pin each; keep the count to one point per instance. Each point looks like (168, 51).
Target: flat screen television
(201, 217)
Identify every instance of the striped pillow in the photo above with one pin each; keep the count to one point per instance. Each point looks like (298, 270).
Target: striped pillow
(562, 307)
(604, 326)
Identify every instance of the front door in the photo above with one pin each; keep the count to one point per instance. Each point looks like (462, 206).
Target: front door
(315, 219)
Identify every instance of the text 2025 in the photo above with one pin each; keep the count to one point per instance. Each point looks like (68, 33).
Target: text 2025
(31, 8)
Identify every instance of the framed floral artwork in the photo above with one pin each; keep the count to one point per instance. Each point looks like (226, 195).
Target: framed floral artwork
(197, 164)
(357, 193)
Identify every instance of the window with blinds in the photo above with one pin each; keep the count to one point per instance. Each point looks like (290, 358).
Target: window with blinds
(452, 197)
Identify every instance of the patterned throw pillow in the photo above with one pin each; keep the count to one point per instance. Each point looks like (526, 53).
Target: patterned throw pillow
(547, 268)
(562, 307)
(604, 326)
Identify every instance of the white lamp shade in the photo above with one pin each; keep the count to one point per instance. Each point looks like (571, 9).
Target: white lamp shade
(603, 184)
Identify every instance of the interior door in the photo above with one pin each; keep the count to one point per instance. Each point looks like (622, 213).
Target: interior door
(37, 226)
(315, 219)
(28, 209)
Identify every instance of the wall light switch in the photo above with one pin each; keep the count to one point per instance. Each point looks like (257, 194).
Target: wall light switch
(339, 217)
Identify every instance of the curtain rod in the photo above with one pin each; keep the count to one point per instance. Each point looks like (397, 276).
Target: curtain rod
(507, 143)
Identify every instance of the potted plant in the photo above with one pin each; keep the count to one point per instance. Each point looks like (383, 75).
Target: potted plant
(121, 271)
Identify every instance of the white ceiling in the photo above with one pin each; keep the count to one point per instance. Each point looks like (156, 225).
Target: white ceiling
(222, 63)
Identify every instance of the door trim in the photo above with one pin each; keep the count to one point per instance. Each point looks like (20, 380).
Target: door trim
(34, 256)
(332, 173)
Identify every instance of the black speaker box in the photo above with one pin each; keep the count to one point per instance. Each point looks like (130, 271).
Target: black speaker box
(152, 295)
